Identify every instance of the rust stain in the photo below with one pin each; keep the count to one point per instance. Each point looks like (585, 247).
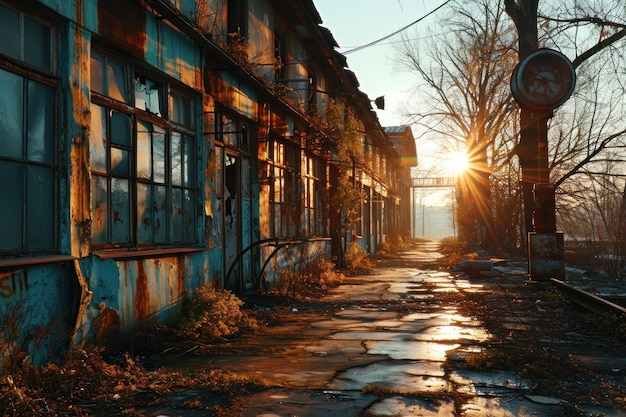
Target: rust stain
(125, 23)
(180, 278)
(142, 293)
(107, 325)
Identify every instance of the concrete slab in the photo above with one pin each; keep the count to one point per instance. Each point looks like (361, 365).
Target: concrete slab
(390, 344)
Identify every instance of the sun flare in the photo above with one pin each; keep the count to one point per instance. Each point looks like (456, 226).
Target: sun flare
(457, 162)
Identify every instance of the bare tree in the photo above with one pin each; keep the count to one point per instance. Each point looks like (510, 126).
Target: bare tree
(589, 32)
(465, 74)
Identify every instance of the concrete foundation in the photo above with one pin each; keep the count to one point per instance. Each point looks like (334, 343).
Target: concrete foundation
(546, 256)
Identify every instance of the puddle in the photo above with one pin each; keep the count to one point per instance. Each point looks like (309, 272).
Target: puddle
(406, 377)
(415, 350)
(409, 407)
(471, 381)
(454, 334)
(508, 406)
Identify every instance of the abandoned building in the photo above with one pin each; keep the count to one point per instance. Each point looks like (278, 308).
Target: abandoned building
(148, 147)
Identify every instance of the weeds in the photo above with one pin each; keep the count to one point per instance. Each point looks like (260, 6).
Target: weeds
(84, 381)
(213, 314)
(452, 250)
(317, 276)
(357, 260)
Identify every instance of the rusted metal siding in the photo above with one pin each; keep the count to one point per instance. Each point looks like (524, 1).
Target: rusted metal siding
(140, 291)
(41, 300)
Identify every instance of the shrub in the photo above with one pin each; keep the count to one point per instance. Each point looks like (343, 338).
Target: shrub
(318, 275)
(213, 314)
(452, 250)
(357, 259)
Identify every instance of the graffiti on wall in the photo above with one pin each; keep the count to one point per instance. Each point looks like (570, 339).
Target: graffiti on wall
(12, 283)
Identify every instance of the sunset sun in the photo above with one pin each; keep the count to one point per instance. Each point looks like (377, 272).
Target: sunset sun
(457, 162)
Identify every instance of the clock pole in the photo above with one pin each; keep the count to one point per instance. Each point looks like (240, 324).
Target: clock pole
(543, 80)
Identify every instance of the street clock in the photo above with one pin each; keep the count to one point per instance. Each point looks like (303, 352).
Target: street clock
(544, 80)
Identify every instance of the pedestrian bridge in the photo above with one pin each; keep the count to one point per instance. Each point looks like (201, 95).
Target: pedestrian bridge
(434, 182)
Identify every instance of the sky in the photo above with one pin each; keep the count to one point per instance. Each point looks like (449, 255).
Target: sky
(354, 23)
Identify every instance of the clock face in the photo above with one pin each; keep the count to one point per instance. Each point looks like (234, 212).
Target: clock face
(543, 81)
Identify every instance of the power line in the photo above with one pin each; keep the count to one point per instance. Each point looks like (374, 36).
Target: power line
(367, 45)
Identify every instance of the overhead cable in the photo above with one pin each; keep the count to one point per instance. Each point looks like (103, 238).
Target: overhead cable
(367, 45)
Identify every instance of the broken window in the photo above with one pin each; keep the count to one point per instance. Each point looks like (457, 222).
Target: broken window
(143, 169)
(237, 18)
(28, 139)
(148, 95)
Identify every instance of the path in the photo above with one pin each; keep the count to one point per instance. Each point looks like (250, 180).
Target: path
(394, 343)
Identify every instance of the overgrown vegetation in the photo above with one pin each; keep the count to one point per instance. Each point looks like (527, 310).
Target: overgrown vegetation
(452, 250)
(85, 380)
(357, 260)
(213, 314)
(317, 276)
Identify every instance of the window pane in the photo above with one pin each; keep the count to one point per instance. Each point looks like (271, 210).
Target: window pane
(116, 79)
(97, 73)
(147, 95)
(144, 150)
(158, 155)
(98, 139)
(177, 215)
(229, 131)
(40, 208)
(37, 44)
(219, 169)
(188, 162)
(176, 158)
(181, 109)
(10, 32)
(99, 209)
(120, 210)
(144, 214)
(189, 216)
(41, 123)
(11, 107)
(120, 129)
(160, 214)
(11, 209)
(120, 162)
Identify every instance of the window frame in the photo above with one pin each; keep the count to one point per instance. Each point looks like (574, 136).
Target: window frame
(42, 156)
(314, 203)
(146, 125)
(237, 18)
(283, 161)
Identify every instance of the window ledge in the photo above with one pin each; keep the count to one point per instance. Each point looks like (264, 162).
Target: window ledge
(135, 253)
(35, 260)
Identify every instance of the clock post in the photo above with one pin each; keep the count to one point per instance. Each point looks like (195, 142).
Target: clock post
(540, 83)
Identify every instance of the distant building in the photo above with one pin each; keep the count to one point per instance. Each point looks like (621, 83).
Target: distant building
(149, 147)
